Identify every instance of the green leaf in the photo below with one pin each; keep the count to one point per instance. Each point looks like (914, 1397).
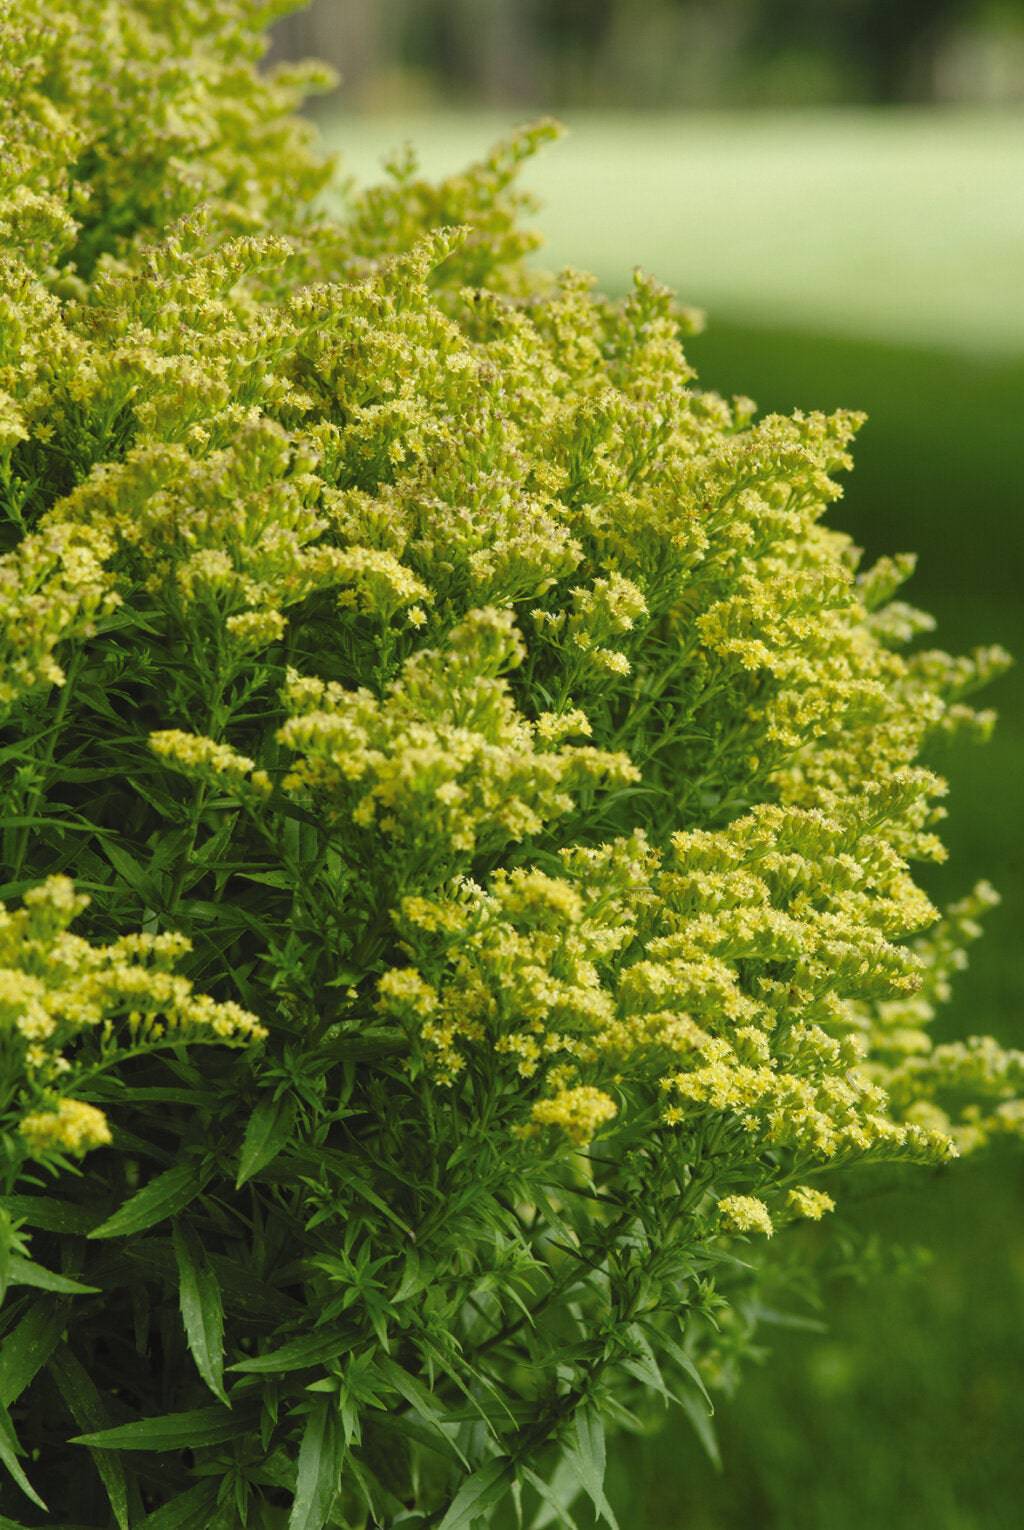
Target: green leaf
(23, 1272)
(50, 1214)
(701, 1412)
(85, 1405)
(319, 1473)
(128, 868)
(279, 879)
(589, 1451)
(414, 1278)
(343, 1165)
(557, 1502)
(644, 1366)
(266, 1133)
(702, 1425)
(421, 1401)
(795, 1320)
(171, 1431)
(564, 1489)
(192, 1097)
(678, 1354)
(587, 1454)
(9, 1452)
(374, 1199)
(478, 1494)
(164, 1196)
(40, 821)
(202, 1310)
(311, 1349)
(26, 1350)
(189, 1511)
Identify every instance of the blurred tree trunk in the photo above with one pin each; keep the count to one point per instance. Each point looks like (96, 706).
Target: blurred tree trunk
(356, 36)
(485, 49)
(902, 41)
(499, 46)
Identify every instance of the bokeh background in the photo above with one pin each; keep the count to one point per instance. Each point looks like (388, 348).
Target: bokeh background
(840, 184)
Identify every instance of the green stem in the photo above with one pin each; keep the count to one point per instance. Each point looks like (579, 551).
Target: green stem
(38, 791)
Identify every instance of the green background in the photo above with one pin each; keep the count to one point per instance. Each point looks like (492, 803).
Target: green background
(873, 260)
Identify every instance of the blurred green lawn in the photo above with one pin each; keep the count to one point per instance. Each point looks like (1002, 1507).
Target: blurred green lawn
(872, 261)
(897, 225)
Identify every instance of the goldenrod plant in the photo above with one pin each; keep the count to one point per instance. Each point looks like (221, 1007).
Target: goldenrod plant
(459, 804)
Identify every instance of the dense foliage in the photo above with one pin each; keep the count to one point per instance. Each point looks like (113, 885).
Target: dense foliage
(488, 789)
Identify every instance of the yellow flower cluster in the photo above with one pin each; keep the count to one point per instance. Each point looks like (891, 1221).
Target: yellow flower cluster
(520, 966)
(745, 1213)
(256, 629)
(73, 1127)
(62, 997)
(805, 1201)
(234, 527)
(403, 991)
(205, 758)
(744, 969)
(600, 614)
(969, 1089)
(53, 588)
(578, 1112)
(446, 763)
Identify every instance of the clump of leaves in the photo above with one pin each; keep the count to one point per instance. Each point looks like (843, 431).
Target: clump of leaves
(489, 791)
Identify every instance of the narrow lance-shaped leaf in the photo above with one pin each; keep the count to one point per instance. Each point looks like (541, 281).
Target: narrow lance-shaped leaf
(9, 1452)
(51, 1213)
(23, 1272)
(556, 1496)
(587, 1455)
(685, 1363)
(27, 1348)
(164, 1196)
(703, 1426)
(295, 1354)
(266, 1133)
(85, 1405)
(171, 1431)
(422, 1402)
(190, 1510)
(478, 1495)
(319, 1472)
(202, 1309)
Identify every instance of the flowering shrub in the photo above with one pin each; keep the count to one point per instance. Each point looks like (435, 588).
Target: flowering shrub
(490, 791)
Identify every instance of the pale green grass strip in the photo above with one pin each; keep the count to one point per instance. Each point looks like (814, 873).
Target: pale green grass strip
(907, 226)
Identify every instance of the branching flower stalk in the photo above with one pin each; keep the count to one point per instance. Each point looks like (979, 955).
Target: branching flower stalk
(461, 800)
